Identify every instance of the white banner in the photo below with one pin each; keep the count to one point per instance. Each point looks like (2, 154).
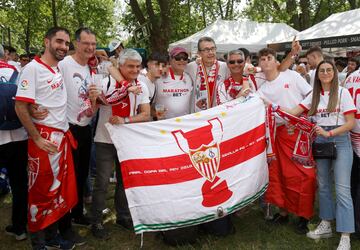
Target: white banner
(195, 168)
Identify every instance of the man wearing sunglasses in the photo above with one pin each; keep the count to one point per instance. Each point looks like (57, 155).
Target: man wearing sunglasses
(174, 90)
(206, 75)
(236, 85)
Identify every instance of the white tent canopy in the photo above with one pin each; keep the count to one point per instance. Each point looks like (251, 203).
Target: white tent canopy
(336, 31)
(229, 35)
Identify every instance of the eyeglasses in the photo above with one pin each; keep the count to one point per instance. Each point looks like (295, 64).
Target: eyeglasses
(88, 44)
(327, 70)
(207, 50)
(235, 61)
(180, 57)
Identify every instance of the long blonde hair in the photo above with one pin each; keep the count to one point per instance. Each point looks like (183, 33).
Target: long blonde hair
(334, 88)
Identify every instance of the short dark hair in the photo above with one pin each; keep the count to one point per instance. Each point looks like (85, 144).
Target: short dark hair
(159, 57)
(52, 32)
(353, 59)
(246, 52)
(12, 49)
(83, 29)
(267, 51)
(204, 39)
(23, 56)
(314, 49)
(341, 63)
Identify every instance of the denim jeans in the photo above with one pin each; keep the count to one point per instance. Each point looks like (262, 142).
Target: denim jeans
(106, 160)
(342, 210)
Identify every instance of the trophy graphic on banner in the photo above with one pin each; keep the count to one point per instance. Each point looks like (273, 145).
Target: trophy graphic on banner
(203, 147)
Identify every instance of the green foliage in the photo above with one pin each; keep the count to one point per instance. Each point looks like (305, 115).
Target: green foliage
(300, 14)
(36, 16)
(187, 17)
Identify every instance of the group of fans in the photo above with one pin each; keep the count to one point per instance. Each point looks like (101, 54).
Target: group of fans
(63, 97)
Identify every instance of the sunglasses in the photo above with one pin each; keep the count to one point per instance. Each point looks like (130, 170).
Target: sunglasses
(235, 61)
(181, 57)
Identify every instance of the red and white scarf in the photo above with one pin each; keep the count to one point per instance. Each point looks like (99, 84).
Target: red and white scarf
(51, 178)
(303, 148)
(205, 86)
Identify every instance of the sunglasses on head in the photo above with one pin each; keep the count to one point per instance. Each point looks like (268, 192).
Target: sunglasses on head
(181, 57)
(236, 61)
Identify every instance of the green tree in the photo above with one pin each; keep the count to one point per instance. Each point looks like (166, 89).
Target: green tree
(170, 20)
(300, 14)
(29, 20)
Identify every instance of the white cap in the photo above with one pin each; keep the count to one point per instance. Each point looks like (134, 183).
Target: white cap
(114, 44)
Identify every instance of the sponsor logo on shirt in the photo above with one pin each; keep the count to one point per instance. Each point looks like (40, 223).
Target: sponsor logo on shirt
(24, 84)
(57, 85)
(286, 85)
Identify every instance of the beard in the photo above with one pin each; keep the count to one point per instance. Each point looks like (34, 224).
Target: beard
(57, 53)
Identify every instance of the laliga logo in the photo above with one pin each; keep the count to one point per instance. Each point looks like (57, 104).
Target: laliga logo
(202, 146)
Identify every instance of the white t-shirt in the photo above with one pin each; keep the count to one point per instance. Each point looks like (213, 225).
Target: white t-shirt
(287, 90)
(223, 92)
(6, 73)
(312, 74)
(102, 68)
(352, 83)
(259, 79)
(102, 135)
(77, 79)
(15, 64)
(149, 84)
(192, 70)
(44, 85)
(174, 92)
(322, 116)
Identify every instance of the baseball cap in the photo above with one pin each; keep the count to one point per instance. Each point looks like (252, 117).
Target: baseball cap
(114, 44)
(177, 50)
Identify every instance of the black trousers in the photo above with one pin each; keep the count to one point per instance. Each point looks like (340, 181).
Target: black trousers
(355, 191)
(81, 156)
(39, 238)
(14, 157)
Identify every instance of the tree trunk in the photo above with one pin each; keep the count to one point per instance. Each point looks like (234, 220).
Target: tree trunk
(305, 14)
(53, 11)
(9, 35)
(353, 4)
(27, 35)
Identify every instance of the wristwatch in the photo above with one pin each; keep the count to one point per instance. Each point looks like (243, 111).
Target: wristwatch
(126, 120)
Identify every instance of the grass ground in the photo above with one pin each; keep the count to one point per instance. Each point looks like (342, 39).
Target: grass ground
(252, 233)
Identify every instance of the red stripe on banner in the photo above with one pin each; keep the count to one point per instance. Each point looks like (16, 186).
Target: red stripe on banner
(176, 169)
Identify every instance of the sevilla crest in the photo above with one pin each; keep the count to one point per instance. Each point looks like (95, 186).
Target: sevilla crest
(33, 165)
(202, 146)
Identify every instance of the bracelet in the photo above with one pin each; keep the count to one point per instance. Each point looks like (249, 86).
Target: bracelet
(331, 134)
(127, 120)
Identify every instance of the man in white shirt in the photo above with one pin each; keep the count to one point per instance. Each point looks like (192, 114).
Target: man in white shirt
(79, 86)
(314, 56)
(13, 156)
(206, 75)
(52, 184)
(174, 90)
(156, 63)
(352, 83)
(133, 108)
(287, 89)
